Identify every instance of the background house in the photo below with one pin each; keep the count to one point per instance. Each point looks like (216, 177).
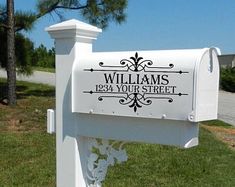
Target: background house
(227, 60)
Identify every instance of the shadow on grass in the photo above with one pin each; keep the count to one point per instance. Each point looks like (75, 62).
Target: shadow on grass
(217, 123)
(25, 89)
(50, 92)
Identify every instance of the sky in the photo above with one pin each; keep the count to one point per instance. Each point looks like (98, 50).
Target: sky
(155, 25)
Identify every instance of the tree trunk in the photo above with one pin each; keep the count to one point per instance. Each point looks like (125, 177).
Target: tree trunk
(11, 65)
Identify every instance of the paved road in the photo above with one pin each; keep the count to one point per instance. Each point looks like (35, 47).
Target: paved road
(226, 99)
(37, 77)
(227, 107)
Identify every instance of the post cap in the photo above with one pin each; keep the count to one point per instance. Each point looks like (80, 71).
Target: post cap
(73, 29)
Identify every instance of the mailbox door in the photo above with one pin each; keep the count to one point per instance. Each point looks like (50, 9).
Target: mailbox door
(207, 86)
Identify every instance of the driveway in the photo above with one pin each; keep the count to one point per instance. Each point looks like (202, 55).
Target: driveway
(227, 107)
(226, 99)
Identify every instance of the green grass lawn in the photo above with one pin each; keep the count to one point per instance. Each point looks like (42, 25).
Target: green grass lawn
(27, 152)
(50, 70)
(211, 163)
(27, 159)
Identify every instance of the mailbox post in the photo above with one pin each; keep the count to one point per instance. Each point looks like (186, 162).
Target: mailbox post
(143, 96)
(73, 40)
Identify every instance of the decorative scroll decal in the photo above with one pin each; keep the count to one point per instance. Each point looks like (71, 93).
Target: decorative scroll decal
(102, 155)
(136, 64)
(136, 82)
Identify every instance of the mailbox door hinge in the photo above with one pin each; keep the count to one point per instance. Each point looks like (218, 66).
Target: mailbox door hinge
(191, 116)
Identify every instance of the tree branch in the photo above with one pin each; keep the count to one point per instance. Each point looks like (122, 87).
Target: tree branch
(4, 26)
(18, 28)
(54, 7)
(57, 6)
(41, 14)
(71, 8)
(37, 16)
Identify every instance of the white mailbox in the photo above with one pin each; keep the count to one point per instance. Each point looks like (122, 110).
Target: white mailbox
(172, 84)
(143, 96)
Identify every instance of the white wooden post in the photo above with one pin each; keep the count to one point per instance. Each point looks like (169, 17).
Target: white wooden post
(73, 40)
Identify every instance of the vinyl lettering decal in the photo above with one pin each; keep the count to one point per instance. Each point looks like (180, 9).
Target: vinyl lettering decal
(135, 82)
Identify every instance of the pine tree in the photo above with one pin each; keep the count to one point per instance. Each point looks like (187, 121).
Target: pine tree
(97, 12)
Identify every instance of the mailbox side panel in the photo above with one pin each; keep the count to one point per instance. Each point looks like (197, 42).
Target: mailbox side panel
(207, 87)
(146, 84)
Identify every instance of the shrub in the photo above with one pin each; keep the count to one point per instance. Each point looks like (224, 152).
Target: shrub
(227, 79)
(43, 57)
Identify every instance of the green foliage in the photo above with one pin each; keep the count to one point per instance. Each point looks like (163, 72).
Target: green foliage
(3, 14)
(23, 46)
(46, 6)
(102, 13)
(43, 57)
(24, 20)
(3, 47)
(23, 49)
(227, 79)
(24, 53)
(97, 12)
